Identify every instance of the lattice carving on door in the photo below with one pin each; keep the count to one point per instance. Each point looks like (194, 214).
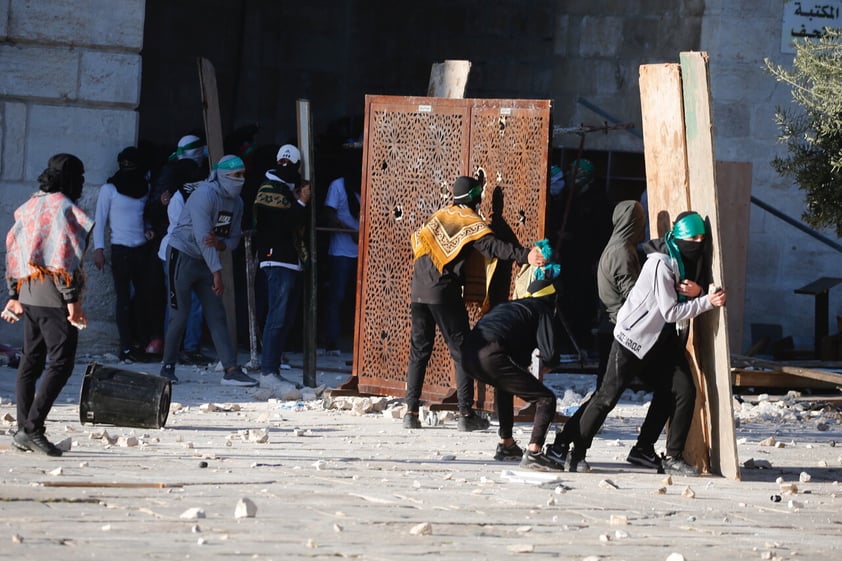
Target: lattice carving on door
(414, 148)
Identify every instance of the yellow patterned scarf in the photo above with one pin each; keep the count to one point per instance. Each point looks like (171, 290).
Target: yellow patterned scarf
(447, 231)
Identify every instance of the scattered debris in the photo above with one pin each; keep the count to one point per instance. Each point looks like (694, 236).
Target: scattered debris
(423, 529)
(245, 508)
(193, 514)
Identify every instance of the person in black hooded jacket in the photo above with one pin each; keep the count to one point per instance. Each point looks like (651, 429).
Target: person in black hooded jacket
(498, 352)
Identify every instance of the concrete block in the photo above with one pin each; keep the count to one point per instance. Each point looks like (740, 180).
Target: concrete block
(111, 77)
(96, 136)
(74, 22)
(12, 134)
(39, 72)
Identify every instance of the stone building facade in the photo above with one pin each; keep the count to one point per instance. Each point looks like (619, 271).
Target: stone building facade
(91, 85)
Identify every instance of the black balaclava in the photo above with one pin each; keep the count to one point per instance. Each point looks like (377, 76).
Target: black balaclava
(65, 173)
(130, 179)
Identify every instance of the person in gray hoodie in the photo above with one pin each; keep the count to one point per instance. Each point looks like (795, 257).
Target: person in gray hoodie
(647, 343)
(208, 224)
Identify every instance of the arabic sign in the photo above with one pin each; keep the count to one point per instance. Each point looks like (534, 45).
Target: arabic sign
(807, 20)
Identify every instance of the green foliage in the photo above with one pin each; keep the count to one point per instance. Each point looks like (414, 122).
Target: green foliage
(812, 128)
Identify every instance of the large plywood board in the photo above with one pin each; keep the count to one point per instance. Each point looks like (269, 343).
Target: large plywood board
(665, 152)
(710, 329)
(733, 188)
(675, 170)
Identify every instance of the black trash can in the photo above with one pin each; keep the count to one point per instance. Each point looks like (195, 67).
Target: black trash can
(112, 396)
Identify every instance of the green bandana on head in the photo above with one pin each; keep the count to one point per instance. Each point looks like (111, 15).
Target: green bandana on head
(688, 226)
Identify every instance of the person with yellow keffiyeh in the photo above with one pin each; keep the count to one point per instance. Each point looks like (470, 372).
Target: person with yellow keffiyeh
(45, 279)
(440, 248)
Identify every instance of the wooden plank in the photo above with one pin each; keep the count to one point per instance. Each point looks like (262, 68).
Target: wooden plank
(733, 188)
(711, 328)
(667, 187)
(664, 154)
(449, 79)
(213, 134)
(779, 380)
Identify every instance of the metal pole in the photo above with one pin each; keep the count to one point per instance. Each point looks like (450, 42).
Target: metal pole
(305, 144)
(254, 362)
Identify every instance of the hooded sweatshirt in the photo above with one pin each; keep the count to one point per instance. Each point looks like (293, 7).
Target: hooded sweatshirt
(653, 302)
(210, 208)
(619, 264)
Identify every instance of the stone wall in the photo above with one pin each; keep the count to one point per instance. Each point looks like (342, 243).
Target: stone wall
(69, 82)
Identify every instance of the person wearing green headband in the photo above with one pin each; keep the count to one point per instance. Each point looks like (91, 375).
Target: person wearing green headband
(498, 352)
(208, 225)
(668, 293)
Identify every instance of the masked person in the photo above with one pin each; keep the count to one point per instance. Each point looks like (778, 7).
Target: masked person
(280, 216)
(440, 248)
(498, 352)
(647, 343)
(45, 279)
(119, 211)
(208, 224)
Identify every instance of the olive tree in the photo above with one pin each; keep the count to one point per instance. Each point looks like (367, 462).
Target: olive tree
(811, 128)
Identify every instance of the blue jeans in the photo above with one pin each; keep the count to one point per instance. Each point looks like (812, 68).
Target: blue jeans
(280, 299)
(341, 270)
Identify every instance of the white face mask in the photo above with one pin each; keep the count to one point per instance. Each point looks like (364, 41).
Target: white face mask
(231, 186)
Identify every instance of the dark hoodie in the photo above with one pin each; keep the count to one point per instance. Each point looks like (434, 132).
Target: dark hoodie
(619, 264)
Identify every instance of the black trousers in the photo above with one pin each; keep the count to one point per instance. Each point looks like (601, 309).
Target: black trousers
(452, 319)
(49, 354)
(490, 363)
(665, 369)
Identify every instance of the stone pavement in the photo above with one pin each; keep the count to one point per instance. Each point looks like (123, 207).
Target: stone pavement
(333, 483)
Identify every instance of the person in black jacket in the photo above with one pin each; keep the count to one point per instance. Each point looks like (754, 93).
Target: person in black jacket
(498, 352)
(440, 248)
(44, 275)
(280, 217)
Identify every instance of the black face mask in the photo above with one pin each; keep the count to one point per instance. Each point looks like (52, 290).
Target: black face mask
(288, 174)
(690, 250)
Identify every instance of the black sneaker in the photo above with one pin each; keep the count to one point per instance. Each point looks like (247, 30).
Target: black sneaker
(168, 372)
(132, 355)
(576, 462)
(194, 358)
(411, 421)
(538, 461)
(236, 377)
(35, 442)
(508, 453)
(471, 422)
(644, 456)
(557, 451)
(675, 465)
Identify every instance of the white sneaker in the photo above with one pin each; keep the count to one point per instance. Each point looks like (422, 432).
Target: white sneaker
(273, 380)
